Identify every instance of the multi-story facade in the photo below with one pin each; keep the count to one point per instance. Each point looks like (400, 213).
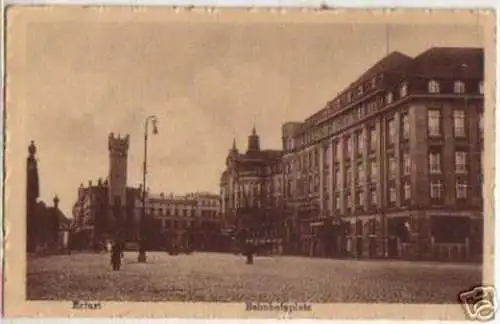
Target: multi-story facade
(394, 162)
(93, 221)
(252, 193)
(185, 222)
(105, 210)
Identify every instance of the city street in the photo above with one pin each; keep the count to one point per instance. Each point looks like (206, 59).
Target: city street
(226, 277)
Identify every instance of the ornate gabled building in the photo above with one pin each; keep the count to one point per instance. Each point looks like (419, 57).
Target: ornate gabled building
(251, 191)
(392, 165)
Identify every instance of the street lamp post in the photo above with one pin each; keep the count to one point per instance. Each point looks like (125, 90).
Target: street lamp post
(142, 241)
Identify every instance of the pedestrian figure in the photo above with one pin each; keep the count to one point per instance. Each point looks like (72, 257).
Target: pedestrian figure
(122, 249)
(249, 258)
(116, 256)
(249, 253)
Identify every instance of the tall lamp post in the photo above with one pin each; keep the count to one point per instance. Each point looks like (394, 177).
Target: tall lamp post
(142, 242)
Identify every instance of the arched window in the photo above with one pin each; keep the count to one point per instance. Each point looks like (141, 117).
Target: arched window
(433, 86)
(403, 90)
(389, 98)
(459, 87)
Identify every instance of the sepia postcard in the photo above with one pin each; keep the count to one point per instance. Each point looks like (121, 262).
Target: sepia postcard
(243, 163)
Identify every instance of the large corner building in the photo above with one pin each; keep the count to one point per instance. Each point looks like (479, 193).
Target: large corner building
(391, 167)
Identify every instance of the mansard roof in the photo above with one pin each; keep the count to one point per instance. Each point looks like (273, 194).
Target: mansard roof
(448, 63)
(436, 62)
(395, 61)
(457, 63)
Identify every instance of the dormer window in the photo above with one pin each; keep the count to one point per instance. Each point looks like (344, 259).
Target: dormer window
(360, 91)
(349, 96)
(389, 98)
(433, 86)
(459, 87)
(403, 89)
(481, 87)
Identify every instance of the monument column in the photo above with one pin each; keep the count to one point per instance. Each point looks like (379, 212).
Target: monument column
(32, 194)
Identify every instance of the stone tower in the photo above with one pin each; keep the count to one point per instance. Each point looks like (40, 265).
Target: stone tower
(253, 142)
(117, 177)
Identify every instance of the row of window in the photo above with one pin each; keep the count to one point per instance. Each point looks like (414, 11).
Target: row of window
(341, 121)
(256, 189)
(435, 163)
(202, 203)
(256, 202)
(437, 189)
(364, 109)
(435, 167)
(183, 212)
(311, 183)
(346, 98)
(310, 159)
(176, 224)
(459, 123)
(359, 138)
(169, 200)
(209, 203)
(436, 192)
(434, 86)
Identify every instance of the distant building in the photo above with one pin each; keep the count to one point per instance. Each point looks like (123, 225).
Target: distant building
(391, 167)
(53, 228)
(185, 222)
(111, 210)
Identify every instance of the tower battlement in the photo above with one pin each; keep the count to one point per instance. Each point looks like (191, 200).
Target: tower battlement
(118, 143)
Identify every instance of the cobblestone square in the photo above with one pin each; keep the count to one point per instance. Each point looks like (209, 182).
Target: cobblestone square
(226, 278)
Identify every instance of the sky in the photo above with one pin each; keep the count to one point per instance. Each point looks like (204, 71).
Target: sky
(207, 83)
